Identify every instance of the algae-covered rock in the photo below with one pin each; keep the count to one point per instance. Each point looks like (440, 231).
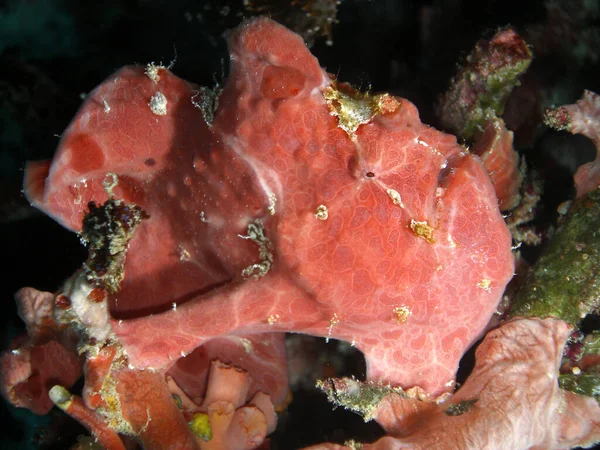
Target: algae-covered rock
(482, 85)
(565, 281)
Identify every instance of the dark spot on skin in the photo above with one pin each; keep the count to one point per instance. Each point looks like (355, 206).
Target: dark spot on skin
(150, 162)
(370, 174)
(458, 409)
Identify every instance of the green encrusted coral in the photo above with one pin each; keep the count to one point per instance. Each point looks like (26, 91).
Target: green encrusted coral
(458, 409)
(565, 281)
(482, 85)
(588, 382)
(591, 344)
(361, 398)
(582, 384)
(106, 231)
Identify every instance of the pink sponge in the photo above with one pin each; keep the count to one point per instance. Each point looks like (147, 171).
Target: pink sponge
(304, 206)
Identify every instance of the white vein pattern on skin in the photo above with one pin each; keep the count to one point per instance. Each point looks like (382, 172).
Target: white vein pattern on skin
(261, 171)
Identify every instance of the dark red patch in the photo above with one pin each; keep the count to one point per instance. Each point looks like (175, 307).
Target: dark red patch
(97, 295)
(62, 302)
(281, 82)
(86, 154)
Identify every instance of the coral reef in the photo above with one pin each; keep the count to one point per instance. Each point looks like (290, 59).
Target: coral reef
(514, 385)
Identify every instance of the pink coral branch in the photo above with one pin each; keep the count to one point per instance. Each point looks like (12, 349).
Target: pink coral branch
(233, 422)
(74, 406)
(583, 118)
(511, 400)
(228, 384)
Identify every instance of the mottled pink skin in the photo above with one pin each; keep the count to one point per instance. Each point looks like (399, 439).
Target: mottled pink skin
(495, 148)
(519, 404)
(274, 135)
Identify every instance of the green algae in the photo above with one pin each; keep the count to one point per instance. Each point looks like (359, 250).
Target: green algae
(458, 409)
(479, 91)
(591, 344)
(353, 395)
(582, 384)
(565, 283)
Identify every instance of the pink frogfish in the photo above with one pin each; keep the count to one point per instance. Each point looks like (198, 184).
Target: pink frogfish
(284, 202)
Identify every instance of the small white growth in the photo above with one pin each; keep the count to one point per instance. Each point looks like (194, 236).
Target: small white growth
(322, 212)
(158, 104)
(272, 201)
(332, 323)
(246, 344)
(436, 152)
(110, 182)
(184, 255)
(256, 233)
(152, 71)
(485, 284)
(106, 106)
(60, 396)
(77, 200)
(395, 196)
(203, 218)
(272, 319)
(88, 315)
(451, 242)
(148, 420)
(401, 313)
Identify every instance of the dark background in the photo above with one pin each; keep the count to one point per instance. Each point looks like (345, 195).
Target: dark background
(52, 52)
